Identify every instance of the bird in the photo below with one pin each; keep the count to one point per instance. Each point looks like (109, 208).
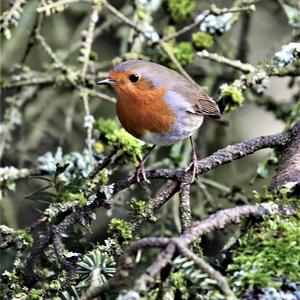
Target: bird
(159, 106)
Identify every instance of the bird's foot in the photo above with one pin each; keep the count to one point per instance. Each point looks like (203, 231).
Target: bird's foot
(140, 173)
(193, 168)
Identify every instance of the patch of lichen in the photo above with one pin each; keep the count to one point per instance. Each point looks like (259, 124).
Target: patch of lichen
(102, 177)
(10, 283)
(19, 238)
(202, 40)
(181, 10)
(138, 207)
(23, 234)
(78, 198)
(12, 287)
(35, 294)
(121, 230)
(230, 98)
(269, 252)
(70, 191)
(153, 294)
(125, 144)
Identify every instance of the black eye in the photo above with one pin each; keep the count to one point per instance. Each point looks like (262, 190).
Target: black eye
(134, 77)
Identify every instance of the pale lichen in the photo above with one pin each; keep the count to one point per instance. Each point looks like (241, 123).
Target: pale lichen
(8, 177)
(216, 24)
(287, 55)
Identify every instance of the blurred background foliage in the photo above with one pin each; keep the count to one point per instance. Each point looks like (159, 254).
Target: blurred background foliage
(44, 109)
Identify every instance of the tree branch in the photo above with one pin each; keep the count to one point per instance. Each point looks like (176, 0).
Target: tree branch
(185, 206)
(217, 221)
(289, 164)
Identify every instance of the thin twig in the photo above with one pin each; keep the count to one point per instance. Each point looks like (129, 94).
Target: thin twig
(86, 51)
(123, 18)
(89, 126)
(34, 31)
(58, 5)
(171, 55)
(246, 68)
(243, 48)
(98, 31)
(197, 22)
(88, 40)
(36, 224)
(11, 17)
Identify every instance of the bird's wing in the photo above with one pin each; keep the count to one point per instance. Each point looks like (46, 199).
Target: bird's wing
(206, 106)
(200, 102)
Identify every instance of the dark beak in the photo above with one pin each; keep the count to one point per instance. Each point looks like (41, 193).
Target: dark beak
(106, 81)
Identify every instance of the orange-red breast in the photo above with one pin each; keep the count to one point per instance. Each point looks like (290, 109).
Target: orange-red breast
(158, 105)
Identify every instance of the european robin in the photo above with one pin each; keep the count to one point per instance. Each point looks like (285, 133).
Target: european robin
(158, 105)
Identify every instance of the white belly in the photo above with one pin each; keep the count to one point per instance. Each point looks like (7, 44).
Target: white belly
(182, 129)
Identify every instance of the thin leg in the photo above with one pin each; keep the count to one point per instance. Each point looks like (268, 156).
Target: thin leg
(140, 170)
(193, 164)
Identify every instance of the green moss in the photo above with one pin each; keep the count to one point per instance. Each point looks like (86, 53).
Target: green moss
(286, 195)
(267, 253)
(231, 97)
(79, 198)
(55, 285)
(106, 126)
(202, 40)
(179, 282)
(127, 145)
(138, 207)
(153, 294)
(93, 56)
(22, 233)
(184, 53)
(170, 30)
(121, 230)
(117, 137)
(102, 177)
(35, 294)
(181, 10)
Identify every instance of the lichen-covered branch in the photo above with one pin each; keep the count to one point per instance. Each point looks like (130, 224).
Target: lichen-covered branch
(10, 17)
(185, 206)
(215, 222)
(246, 68)
(289, 166)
